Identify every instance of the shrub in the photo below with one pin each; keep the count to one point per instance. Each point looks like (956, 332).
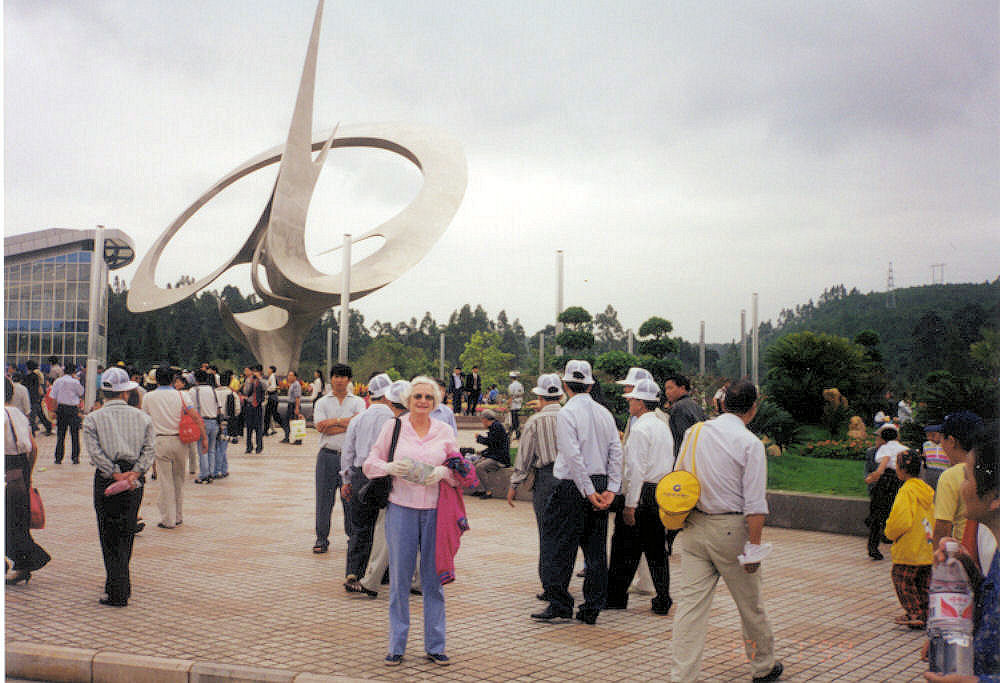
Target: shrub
(803, 364)
(845, 449)
(775, 422)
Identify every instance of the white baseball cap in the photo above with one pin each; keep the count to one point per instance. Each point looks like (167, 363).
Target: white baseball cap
(578, 371)
(378, 385)
(116, 379)
(549, 385)
(645, 390)
(634, 375)
(398, 392)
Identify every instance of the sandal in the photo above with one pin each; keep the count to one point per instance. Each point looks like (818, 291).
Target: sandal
(903, 620)
(354, 586)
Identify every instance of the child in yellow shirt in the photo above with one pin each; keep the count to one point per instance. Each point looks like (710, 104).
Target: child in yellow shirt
(911, 527)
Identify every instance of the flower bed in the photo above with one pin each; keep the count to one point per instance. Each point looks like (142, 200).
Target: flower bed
(845, 449)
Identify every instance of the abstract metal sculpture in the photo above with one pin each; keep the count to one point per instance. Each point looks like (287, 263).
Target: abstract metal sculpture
(296, 293)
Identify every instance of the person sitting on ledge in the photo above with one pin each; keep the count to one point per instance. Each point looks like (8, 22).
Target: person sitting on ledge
(497, 452)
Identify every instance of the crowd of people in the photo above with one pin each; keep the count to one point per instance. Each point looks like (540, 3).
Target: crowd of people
(393, 458)
(922, 498)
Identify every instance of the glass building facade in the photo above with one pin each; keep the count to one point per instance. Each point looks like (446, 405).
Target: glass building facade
(47, 295)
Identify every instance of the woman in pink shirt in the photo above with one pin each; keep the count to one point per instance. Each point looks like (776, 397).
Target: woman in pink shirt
(410, 524)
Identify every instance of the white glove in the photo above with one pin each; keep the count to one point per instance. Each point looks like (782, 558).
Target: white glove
(437, 474)
(753, 554)
(399, 468)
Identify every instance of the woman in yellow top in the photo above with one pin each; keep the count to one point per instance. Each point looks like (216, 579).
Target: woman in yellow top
(910, 527)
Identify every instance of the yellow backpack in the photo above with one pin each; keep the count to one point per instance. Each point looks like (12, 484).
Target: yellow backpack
(678, 492)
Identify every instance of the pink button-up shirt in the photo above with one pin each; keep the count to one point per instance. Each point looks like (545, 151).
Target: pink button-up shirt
(432, 449)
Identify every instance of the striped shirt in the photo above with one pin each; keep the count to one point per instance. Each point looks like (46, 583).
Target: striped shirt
(538, 443)
(119, 433)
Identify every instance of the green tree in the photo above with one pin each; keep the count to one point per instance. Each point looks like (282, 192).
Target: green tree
(483, 350)
(610, 334)
(658, 344)
(803, 364)
(986, 352)
(616, 363)
(386, 354)
(578, 335)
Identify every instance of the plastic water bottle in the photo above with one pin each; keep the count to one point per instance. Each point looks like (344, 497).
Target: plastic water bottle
(949, 616)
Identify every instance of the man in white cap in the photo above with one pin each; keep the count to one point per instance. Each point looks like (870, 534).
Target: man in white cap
(515, 397)
(537, 452)
(361, 434)
(649, 456)
(121, 442)
(588, 471)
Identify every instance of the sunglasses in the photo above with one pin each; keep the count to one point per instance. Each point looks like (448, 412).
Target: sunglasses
(423, 397)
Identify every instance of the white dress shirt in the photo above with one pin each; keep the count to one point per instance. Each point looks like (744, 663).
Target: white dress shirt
(67, 390)
(588, 444)
(360, 436)
(730, 466)
(649, 455)
(330, 407)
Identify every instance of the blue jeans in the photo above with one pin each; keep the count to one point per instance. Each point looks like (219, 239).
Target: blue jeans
(206, 457)
(407, 532)
(221, 450)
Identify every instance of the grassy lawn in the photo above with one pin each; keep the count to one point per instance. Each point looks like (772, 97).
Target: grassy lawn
(790, 472)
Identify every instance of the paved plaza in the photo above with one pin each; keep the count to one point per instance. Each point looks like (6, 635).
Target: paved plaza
(237, 584)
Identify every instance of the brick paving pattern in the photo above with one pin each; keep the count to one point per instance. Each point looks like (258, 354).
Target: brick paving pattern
(238, 584)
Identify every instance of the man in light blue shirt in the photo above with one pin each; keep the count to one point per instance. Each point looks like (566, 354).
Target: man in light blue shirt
(443, 413)
(588, 472)
(361, 434)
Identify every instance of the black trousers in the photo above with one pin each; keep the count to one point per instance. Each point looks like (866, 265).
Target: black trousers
(286, 419)
(515, 421)
(571, 522)
(883, 495)
(271, 411)
(540, 492)
(327, 485)
(20, 546)
(630, 542)
(38, 415)
(471, 402)
(253, 420)
(67, 417)
(116, 521)
(361, 523)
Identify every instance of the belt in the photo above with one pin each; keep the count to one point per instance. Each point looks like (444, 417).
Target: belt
(174, 434)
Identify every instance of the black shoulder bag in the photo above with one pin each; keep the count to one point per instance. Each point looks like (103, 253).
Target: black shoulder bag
(375, 494)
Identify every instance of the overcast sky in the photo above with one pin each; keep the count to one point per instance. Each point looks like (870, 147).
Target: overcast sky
(682, 154)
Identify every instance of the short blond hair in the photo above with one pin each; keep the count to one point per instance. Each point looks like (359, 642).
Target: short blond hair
(424, 379)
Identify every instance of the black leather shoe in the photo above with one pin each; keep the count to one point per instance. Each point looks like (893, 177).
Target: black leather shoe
(662, 607)
(586, 616)
(113, 603)
(550, 615)
(876, 555)
(773, 676)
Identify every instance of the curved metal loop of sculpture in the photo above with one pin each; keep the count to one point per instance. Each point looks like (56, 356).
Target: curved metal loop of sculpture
(296, 293)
